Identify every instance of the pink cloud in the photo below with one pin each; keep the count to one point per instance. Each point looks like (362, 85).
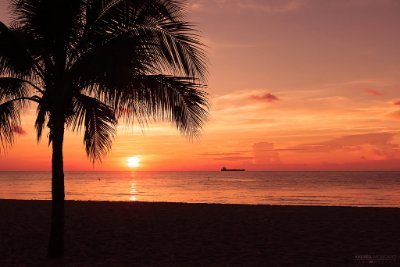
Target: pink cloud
(373, 92)
(268, 97)
(18, 130)
(397, 103)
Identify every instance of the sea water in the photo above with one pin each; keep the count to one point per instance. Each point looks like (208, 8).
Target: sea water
(378, 189)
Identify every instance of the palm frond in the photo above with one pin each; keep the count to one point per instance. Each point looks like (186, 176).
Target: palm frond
(42, 118)
(14, 96)
(56, 24)
(94, 60)
(9, 119)
(99, 122)
(169, 42)
(111, 63)
(15, 60)
(12, 88)
(158, 97)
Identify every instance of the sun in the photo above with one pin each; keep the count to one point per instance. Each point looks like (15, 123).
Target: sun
(133, 162)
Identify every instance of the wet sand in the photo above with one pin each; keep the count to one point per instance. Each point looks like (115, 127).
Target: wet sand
(176, 234)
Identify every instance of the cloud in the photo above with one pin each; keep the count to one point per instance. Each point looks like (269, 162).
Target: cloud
(373, 92)
(394, 115)
(18, 130)
(223, 154)
(370, 151)
(397, 103)
(239, 155)
(377, 145)
(268, 97)
(265, 154)
(195, 6)
(272, 6)
(258, 121)
(244, 107)
(233, 158)
(268, 7)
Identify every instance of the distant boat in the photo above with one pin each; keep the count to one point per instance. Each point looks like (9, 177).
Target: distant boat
(224, 169)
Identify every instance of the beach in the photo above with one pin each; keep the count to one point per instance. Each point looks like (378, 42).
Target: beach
(178, 234)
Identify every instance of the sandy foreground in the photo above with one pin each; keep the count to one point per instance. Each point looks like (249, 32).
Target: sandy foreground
(176, 234)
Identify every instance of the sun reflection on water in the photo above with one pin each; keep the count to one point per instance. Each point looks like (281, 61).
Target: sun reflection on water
(133, 192)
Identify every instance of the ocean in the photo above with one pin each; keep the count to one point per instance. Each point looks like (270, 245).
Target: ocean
(372, 189)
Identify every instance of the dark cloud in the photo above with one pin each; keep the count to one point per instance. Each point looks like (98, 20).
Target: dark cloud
(268, 97)
(18, 130)
(397, 103)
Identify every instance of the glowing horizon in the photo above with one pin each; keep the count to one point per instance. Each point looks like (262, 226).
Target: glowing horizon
(294, 85)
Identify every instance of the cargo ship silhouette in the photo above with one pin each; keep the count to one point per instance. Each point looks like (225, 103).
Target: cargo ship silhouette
(224, 169)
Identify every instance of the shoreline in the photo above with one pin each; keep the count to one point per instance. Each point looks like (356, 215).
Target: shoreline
(206, 203)
(179, 234)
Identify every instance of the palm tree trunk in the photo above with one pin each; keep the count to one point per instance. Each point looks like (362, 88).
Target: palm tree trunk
(56, 243)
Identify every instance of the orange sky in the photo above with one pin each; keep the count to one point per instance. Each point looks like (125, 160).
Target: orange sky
(294, 85)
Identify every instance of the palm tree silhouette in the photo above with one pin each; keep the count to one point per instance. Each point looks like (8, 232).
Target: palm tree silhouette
(86, 64)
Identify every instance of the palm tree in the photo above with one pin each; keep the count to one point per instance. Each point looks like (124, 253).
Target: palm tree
(87, 64)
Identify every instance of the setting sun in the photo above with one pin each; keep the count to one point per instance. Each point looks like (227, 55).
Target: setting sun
(133, 162)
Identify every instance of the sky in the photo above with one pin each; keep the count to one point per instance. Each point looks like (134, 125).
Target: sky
(293, 85)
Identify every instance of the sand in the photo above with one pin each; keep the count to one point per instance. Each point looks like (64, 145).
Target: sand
(176, 234)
